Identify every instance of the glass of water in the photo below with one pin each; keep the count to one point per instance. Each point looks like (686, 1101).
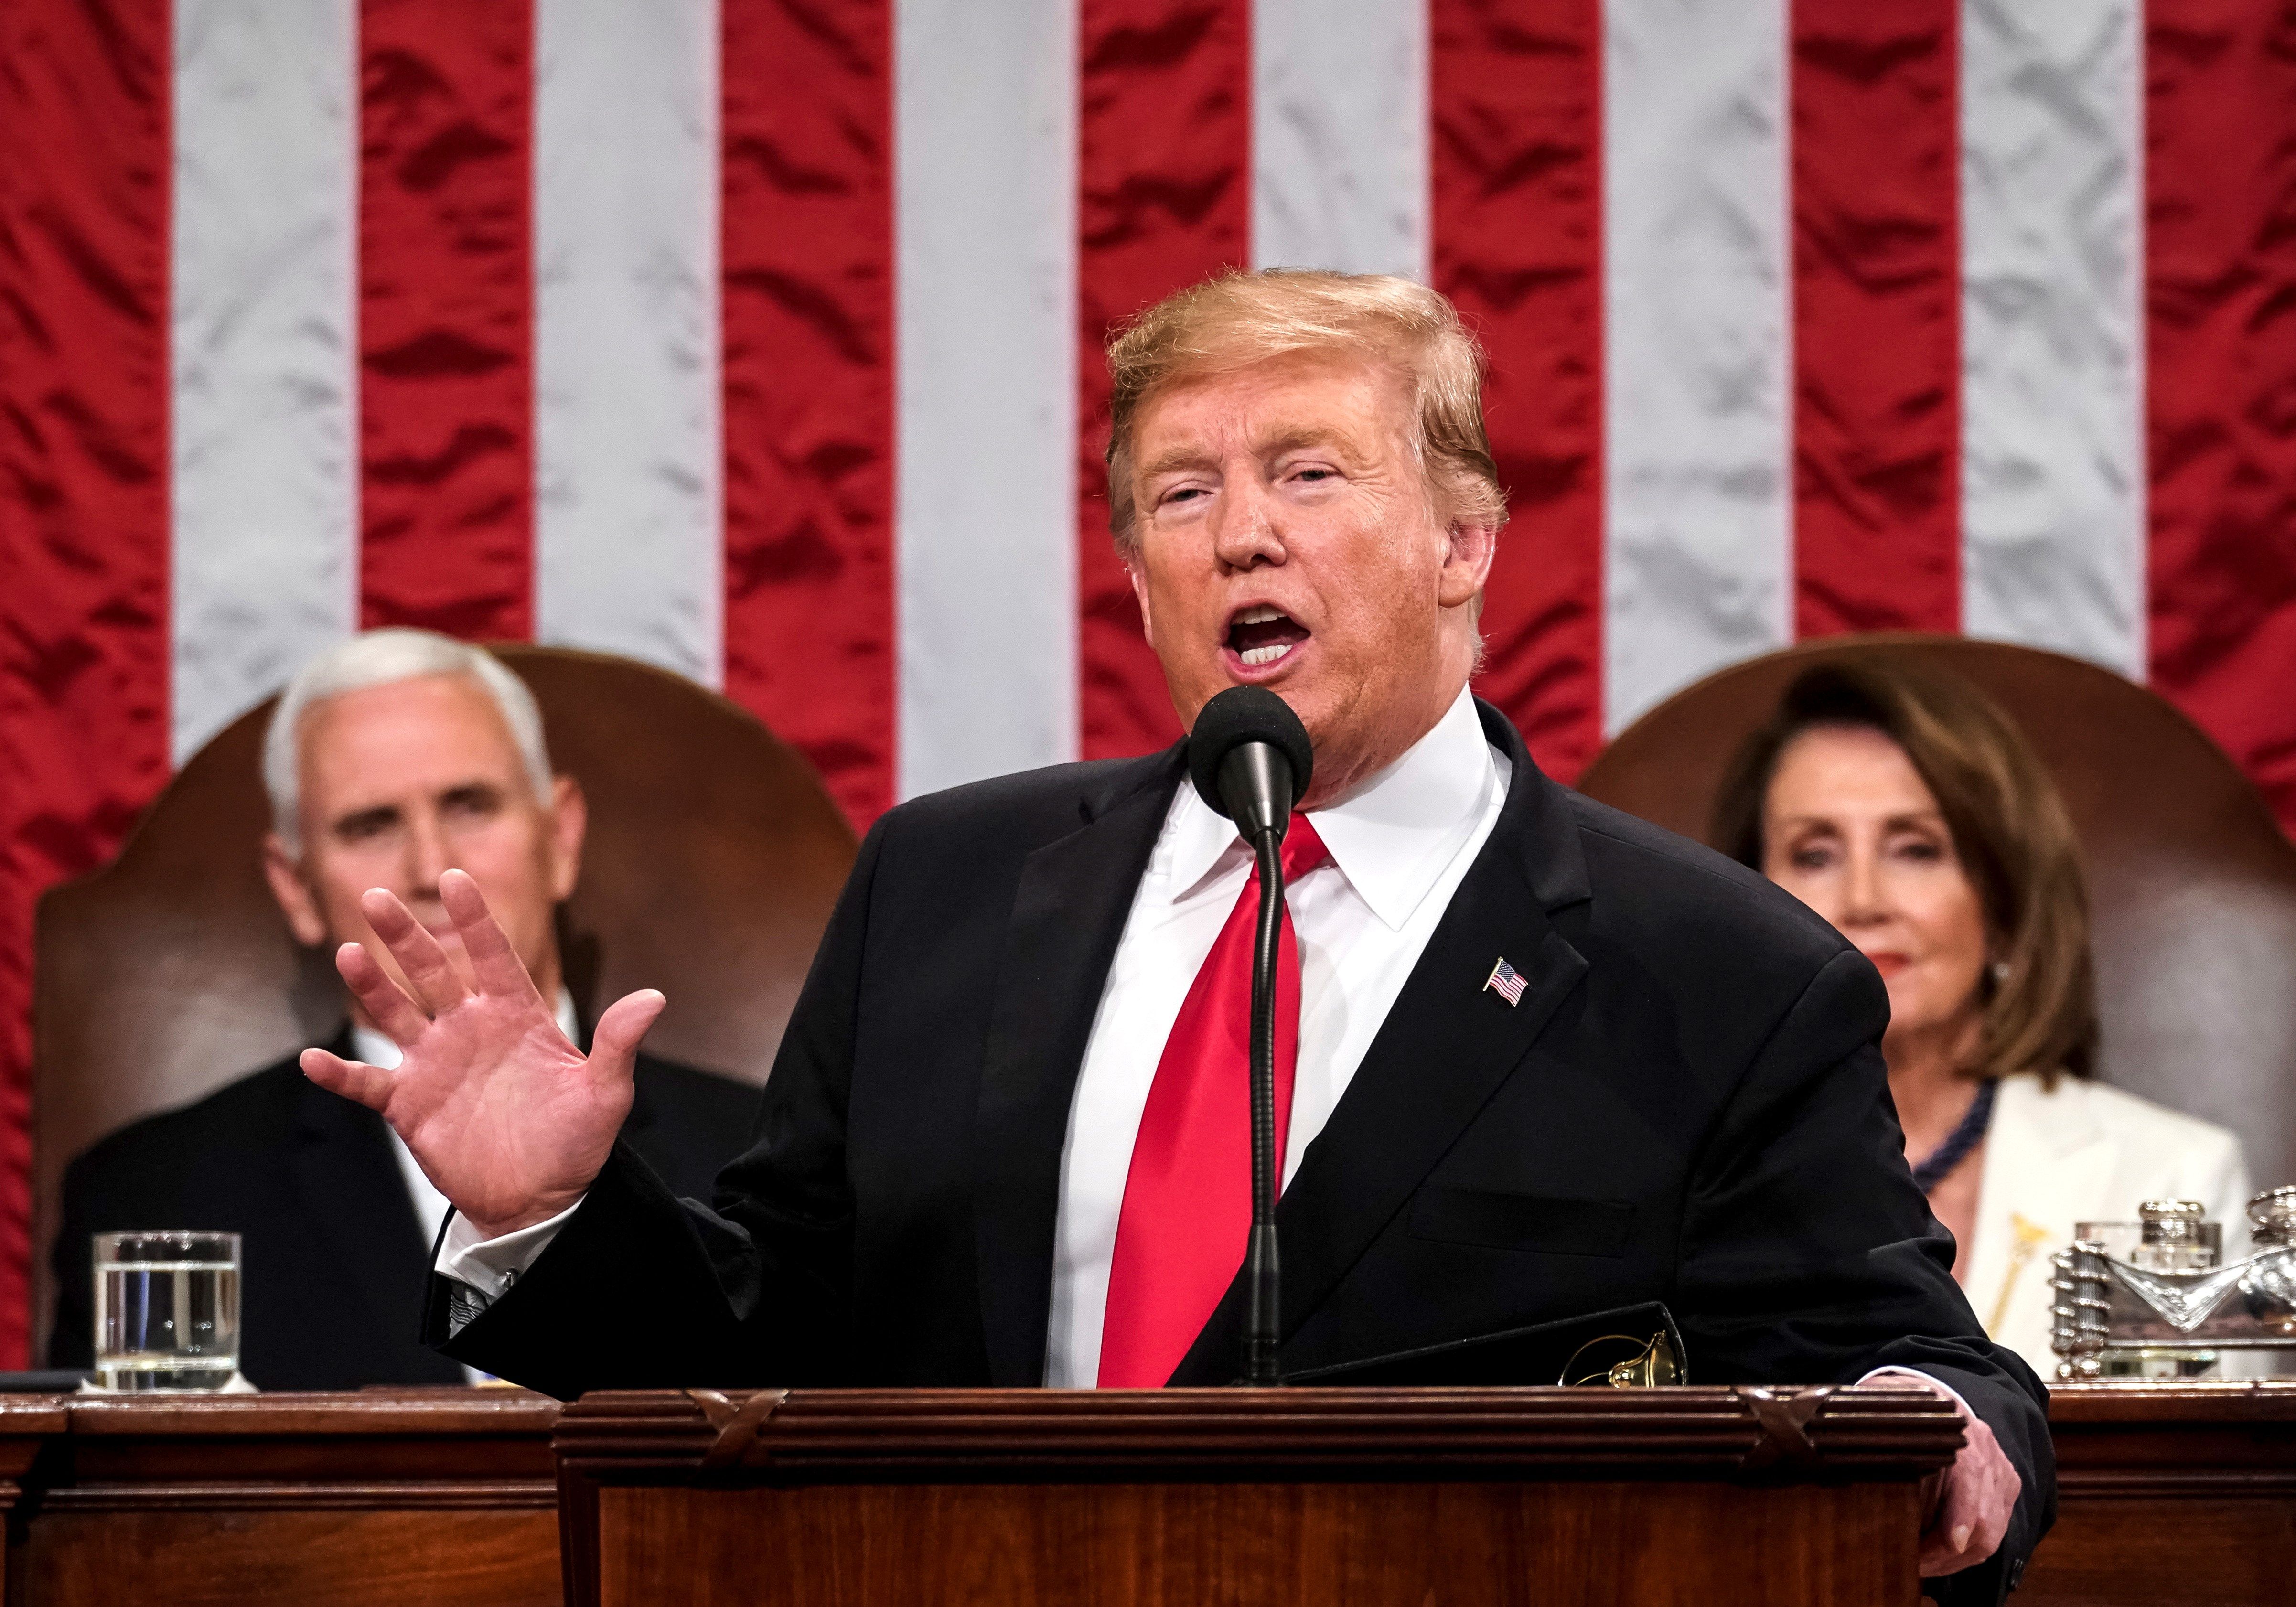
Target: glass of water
(166, 1310)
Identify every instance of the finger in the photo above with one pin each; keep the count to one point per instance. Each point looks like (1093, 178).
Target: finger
(615, 1042)
(436, 988)
(386, 1003)
(352, 1079)
(1995, 1504)
(1990, 1486)
(1985, 1539)
(1974, 1516)
(492, 961)
(1938, 1556)
(1947, 1534)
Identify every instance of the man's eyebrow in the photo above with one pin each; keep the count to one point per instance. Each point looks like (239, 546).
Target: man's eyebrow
(1294, 438)
(1282, 438)
(374, 815)
(1174, 459)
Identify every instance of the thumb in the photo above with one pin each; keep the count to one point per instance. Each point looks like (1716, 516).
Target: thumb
(627, 1020)
(353, 1080)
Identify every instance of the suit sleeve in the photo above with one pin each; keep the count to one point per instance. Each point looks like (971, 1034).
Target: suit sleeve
(1809, 1256)
(641, 1290)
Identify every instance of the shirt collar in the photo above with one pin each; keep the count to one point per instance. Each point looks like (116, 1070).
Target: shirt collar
(376, 1049)
(1391, 838)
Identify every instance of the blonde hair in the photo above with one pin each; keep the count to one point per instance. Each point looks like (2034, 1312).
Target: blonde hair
(1235, 319)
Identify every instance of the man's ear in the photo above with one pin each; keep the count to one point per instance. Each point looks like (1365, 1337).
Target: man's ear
(1139, 579)
(570, 820)
(294, 896)
(1467, 563)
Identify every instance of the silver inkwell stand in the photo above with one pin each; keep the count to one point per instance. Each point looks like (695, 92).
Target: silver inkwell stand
(2155, 1298)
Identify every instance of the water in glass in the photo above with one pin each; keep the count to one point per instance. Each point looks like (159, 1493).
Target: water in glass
(166, 1310)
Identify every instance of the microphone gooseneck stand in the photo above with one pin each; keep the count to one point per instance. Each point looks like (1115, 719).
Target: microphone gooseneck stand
(1261, 1269)
(1256, 783)
(1249, 757)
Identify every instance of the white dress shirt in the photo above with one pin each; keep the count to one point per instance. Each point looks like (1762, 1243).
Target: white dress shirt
(1401, 846)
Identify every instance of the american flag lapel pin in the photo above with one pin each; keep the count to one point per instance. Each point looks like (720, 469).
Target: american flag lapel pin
(1506, 981)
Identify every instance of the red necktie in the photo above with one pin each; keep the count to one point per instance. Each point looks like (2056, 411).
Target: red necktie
(1187, 1198)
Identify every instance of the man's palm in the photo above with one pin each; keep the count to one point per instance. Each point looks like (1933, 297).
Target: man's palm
(507, 1118)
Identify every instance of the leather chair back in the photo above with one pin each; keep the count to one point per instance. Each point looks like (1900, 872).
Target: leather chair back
(2192, 882)
(713, 857)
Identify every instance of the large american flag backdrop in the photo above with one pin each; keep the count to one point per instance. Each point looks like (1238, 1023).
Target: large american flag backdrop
(760, 339)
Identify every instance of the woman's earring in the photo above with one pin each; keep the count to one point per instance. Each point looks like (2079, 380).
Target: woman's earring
(2000, 972)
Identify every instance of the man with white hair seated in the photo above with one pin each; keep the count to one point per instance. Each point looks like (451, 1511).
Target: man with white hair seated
(390, 758)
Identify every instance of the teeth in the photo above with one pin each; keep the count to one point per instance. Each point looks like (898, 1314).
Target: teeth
(1264, 655)
(1258, 616)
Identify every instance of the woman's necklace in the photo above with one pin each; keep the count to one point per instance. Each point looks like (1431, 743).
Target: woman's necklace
(1940, 1162)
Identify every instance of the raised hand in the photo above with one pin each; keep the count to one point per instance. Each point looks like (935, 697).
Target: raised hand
(508, 1120)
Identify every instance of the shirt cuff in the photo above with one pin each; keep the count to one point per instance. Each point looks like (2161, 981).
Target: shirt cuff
(491, 1266)
(1928, 1380)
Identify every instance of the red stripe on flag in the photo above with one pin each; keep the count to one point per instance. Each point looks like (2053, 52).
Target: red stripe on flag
(1517, 198)
(1877, 323)
(808, 243)
(84, 644)
(445, 309)
(1164, 199)
(2220, 260)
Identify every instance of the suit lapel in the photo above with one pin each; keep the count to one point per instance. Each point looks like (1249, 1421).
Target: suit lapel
(353, 1193)
(1068, 916)
(1447, 1045)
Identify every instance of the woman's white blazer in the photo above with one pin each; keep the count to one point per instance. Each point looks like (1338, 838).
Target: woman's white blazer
(2082, 1151)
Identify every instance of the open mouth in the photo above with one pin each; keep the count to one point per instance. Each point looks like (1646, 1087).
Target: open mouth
(1263, 635)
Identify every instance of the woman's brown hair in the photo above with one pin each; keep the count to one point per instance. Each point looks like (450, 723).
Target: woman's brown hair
(2010, 830)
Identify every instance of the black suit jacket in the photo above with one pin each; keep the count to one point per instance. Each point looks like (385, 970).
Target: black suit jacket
(1688, 1104)
(334, 1259)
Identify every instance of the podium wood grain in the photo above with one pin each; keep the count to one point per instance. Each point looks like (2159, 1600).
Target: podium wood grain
(2170, 1496)
(369, 1500)
(1189, 1498)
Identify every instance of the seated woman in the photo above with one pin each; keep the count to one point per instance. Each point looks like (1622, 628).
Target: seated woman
(1905, 807)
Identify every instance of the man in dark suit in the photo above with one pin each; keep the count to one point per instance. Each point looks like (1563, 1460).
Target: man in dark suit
(1542, 1059)
(392, 757)
(335, 1253)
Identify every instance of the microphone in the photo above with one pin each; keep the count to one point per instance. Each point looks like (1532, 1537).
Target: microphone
(1249, 759)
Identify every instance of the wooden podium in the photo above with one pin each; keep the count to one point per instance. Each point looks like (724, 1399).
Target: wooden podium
(1191, 1497)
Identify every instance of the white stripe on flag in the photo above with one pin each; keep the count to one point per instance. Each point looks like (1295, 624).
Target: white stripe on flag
(628, 542)
(2053, 454)
(1339, 135)
(985, 207)
(1697, 338)
(261, 327)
